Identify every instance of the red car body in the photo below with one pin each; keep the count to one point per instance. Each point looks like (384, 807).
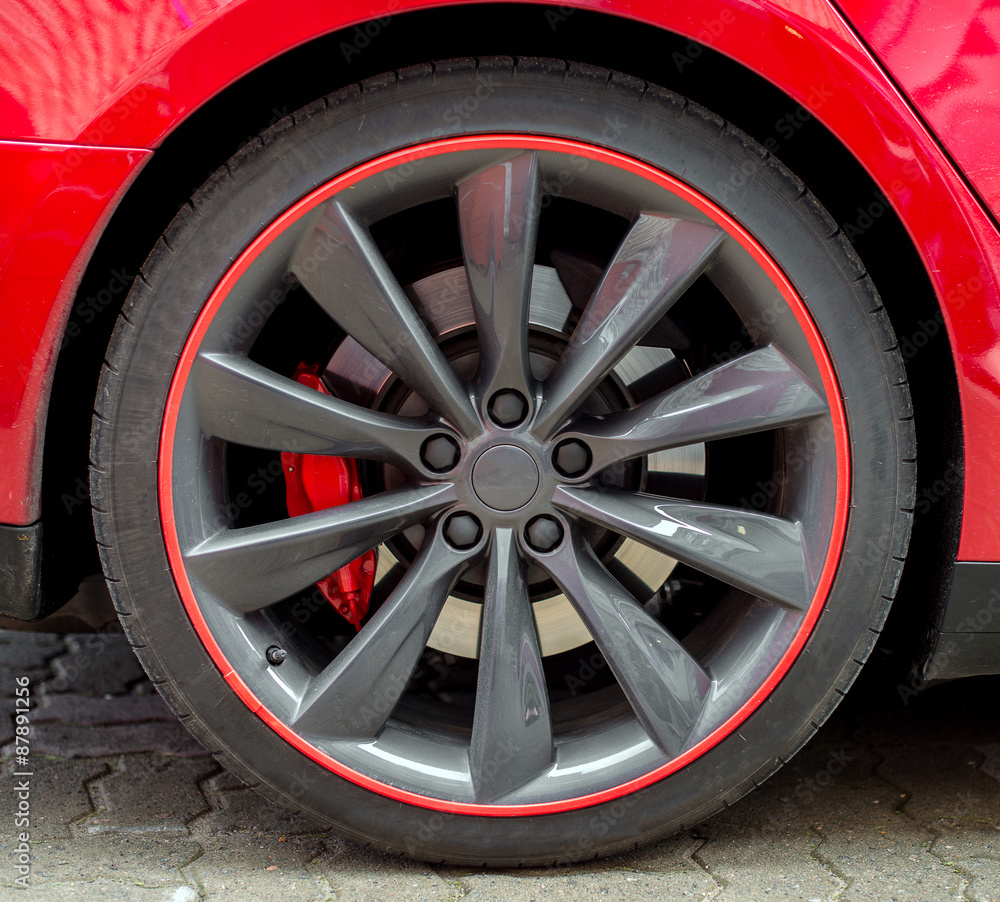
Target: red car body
(112, 112)
(91, 89)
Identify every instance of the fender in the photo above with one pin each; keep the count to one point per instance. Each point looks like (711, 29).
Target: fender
(171, 56)
(945, 57)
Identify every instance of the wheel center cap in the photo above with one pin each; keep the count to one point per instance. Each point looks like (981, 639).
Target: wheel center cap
(505, 477)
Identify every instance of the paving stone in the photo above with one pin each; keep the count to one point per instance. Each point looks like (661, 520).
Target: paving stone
(97, 664)
(241, 810)
(820, 784)
(671, 854)
(976, 854)
(223, 781)
(6, 730)
(28, 651)
(8, 685)
(58, 794)
(239, 868)
(90, 741)
(887, 801)
(663, 870)
(945, 785)
(890, 863)
(623, 885)
(113, 858)
(356, 874)
(752, 865)
(991, 759)
(107, 891)
(868, 842)
(80, 709)
(147, 794)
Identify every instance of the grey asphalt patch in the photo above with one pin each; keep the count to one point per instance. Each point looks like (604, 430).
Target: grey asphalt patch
(896, 798)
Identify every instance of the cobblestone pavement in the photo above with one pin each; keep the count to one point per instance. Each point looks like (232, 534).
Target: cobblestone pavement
(896, 798)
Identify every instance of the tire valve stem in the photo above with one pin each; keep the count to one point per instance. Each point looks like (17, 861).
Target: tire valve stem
(275, 655)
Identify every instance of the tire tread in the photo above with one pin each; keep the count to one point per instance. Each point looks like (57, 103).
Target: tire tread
(292, 131)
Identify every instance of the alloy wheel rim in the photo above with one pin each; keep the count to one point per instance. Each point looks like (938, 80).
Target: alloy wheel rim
(665, 723)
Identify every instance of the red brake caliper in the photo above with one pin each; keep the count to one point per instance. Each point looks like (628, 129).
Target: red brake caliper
(315, 482)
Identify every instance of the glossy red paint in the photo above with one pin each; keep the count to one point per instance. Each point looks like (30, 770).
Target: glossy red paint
(342, 182)
(128, 72)
(55, 202)
(946, 56)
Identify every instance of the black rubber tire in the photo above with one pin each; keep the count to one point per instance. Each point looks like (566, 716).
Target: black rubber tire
(422, 104)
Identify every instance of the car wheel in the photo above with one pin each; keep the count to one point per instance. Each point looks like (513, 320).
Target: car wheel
(503, 463)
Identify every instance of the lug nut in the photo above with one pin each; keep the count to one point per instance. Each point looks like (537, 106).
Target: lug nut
(275, 655)
(508, 408)
(462, 530)
(440, 453)
(572, 458)
(544, 533)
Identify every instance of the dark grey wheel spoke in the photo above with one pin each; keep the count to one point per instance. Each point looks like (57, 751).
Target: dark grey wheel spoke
(242, 401)
(340, 265)
(759, 553)
(498, 214)
(255, 566)
(512, 729)
(657, 261)
(755, 392)
(665, 685)
(355, 694)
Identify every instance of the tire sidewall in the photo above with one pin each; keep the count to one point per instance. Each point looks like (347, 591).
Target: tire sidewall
(420, 106)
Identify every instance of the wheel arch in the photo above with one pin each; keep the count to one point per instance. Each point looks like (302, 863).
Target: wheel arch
(204, 138)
